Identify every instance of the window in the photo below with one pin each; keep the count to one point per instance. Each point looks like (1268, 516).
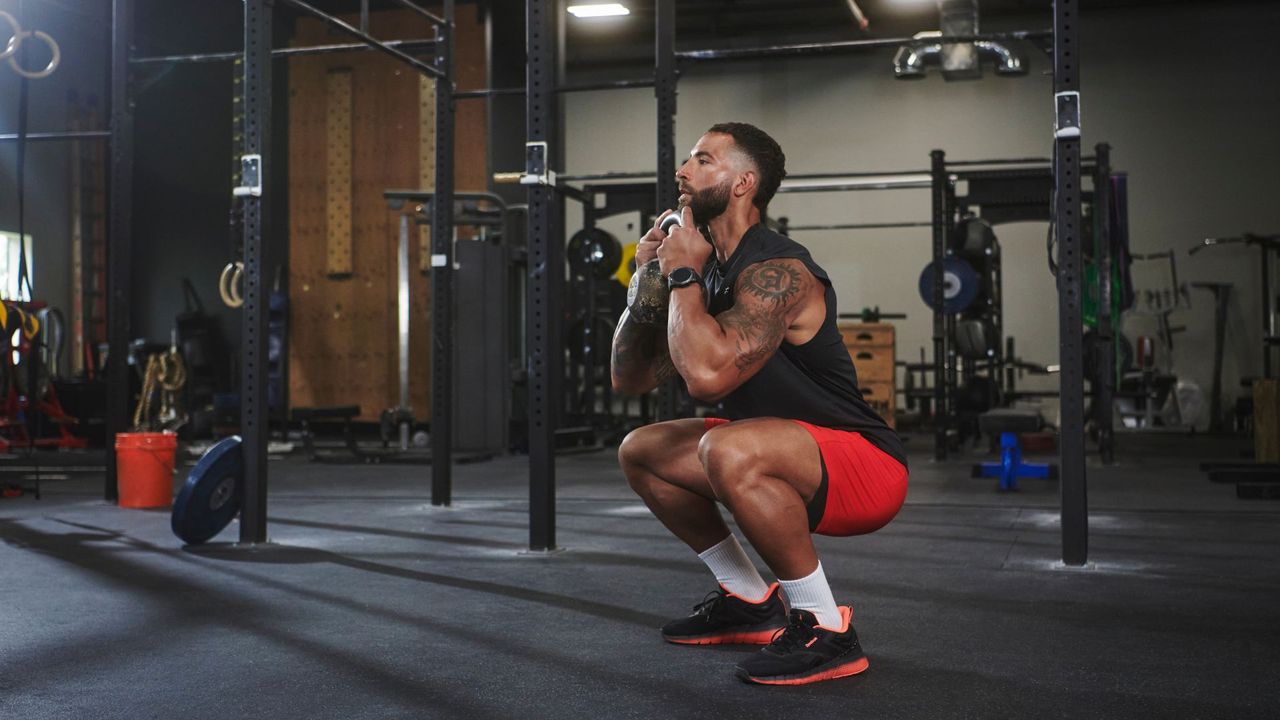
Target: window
(10, 248)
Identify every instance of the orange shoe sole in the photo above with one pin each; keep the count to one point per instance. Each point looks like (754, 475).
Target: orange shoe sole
(755, 637)
(843, 670)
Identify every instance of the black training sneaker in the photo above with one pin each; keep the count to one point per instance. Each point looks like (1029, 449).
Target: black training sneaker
(723, 617)
(805, 653)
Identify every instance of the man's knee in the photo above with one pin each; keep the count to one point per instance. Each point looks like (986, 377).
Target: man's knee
(632, 450)
(729, 458)
(635, 455)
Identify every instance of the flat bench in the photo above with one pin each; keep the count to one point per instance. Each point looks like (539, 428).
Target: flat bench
(343, 414)
(1008, 422)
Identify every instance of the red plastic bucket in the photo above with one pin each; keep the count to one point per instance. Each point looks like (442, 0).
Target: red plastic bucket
(144, 469)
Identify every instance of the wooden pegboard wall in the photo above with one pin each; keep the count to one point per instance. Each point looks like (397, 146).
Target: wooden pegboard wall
(337, 152)
(426, 160)
(343, 333)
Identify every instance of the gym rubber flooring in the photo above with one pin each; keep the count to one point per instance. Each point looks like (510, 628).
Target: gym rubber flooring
(371, 603)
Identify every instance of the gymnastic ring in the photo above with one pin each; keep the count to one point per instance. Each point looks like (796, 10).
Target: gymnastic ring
(231, 276)
(53, 61)
(227, 281)
(237, 282)
(15, 42)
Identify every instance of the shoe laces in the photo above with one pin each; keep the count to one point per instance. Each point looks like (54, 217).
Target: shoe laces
(796, 635)
(710, 603)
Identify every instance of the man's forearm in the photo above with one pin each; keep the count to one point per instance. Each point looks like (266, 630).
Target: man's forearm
(696, 340)
(640, 361)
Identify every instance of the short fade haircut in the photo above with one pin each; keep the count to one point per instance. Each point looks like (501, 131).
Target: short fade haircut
(764, 151)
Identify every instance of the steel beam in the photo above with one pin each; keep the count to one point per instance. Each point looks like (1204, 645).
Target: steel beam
(285, 52)
(546, 277)
(801, 182)
(442, 273)
(1066, 174)
(446, 21)
(254, 418)
(51, 136)
(1106, 358)
(119, 237)
(366, 37)
(665, 77)
(859, 226)
(940, 346)
(898, 182)
(582, 87)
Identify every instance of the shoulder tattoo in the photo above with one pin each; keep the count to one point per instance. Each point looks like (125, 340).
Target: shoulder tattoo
(765, 293)
(774, 281)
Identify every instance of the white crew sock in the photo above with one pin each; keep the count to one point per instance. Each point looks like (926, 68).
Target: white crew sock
(812, 593)
(734, 570)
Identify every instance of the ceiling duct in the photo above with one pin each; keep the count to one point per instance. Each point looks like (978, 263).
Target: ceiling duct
(959, 61)
(959, 18)
(910, 61)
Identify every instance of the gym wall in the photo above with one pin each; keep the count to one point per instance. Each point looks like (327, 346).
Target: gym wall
(183, 171)
(182, 159)
(343, 330)
(83, 41)
(1193, 130)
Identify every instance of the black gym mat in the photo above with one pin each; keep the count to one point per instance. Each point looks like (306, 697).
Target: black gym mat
(370, 603)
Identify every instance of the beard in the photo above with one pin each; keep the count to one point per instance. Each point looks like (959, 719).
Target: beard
(709, 203)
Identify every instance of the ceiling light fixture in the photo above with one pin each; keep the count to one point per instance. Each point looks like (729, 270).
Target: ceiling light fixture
(598, 10)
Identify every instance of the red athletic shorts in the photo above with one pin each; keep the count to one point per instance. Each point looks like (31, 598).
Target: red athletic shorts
(862, 486)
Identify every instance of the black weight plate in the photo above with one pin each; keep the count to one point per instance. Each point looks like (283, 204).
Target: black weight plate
(959, 285)
(973, 238)
(212, 494)
(594, 250)
(1089, 356)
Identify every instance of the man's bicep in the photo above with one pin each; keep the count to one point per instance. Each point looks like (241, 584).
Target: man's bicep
(766, 299)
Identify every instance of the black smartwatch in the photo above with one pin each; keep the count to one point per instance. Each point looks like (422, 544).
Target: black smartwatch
(682, 276)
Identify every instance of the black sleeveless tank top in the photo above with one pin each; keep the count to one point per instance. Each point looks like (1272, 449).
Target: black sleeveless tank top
(814, 382)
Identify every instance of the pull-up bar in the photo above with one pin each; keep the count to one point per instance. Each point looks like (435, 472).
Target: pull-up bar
(866, 182)
(373, 42)
(286, 52)
(857, 226)
(71, 135)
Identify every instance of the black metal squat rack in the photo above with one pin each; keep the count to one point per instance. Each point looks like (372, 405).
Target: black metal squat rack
(256, 167)
(544, 363)
(545, 252)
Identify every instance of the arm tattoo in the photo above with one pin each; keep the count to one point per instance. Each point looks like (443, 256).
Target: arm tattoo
(635, 346)
(766, 292)
(759, 335)
(775, 282)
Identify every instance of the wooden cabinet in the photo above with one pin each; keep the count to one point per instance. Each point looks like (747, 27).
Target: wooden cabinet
(1266, 421)
(873, 349)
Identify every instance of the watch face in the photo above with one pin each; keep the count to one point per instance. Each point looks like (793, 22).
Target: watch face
(682, 276)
